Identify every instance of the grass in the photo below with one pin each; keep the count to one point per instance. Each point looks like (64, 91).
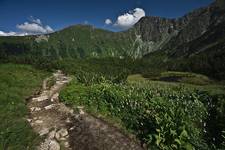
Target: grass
(180, 79)
(186, 77)
(136, 77)
(17, 82)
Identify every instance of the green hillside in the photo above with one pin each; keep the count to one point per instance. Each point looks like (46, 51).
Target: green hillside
(73, 42)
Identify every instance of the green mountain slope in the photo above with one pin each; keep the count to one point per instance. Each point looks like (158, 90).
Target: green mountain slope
(73, 42)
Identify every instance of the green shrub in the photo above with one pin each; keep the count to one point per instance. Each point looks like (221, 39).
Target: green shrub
(89, 78)
(163, 118)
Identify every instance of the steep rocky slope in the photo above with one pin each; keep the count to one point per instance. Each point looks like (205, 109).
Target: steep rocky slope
(168, 34)
(194, 42)
(205, 54)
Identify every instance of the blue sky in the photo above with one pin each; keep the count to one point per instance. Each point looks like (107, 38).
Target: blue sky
(58, 14)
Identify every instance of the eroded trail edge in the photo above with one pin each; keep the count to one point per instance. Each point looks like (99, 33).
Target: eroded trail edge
(62, 128)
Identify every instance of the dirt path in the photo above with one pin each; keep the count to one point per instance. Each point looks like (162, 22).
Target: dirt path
(62, 128)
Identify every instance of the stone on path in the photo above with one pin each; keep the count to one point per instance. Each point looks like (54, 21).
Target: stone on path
(53, 145)
(35, 109)
(41, 98)
(38, 121)
(44, 131)
(61, 134)
(50, 106)
(51, 135)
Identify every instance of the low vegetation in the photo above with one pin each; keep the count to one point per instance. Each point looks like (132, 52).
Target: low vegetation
(17, 82)
(162, 115)
(182, 77)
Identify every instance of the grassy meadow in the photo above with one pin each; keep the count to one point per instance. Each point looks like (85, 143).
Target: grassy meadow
(17, 82)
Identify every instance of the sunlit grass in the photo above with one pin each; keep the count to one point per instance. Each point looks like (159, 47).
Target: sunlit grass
(17, 82)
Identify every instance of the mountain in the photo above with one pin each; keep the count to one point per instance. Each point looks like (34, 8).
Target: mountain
(194, 42)
(167, 34)
(148, 35)
(73, 42)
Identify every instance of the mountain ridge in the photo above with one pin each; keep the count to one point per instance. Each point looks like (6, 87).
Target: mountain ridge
(153, 39)
(150, 34)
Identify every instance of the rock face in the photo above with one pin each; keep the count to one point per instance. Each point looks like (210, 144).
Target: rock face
(155, 28)
(153, 33)
(220, 3)
(196, 41)
(170, 33)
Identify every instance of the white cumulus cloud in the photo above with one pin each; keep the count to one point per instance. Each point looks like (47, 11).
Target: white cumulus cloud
(108, 21)
(127, 20)
(32, 27)
(2, 33)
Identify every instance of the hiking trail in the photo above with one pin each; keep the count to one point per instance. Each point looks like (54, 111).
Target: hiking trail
(62, 128)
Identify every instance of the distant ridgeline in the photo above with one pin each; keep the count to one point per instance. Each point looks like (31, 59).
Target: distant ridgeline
(194, 42)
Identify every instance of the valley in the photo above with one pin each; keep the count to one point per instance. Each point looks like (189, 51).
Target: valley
(129, 105)
(158, 85)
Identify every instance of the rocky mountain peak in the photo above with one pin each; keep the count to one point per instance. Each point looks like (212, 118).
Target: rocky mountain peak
(169, 33)
(152, 28)
(220, 3)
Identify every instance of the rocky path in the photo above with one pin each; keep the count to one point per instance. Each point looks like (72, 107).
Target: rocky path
(62, 128)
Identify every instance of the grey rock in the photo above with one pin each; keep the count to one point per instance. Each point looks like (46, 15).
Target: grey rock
(53, 145)
(51, 135)
(63, 132)
(50, 106)
(38, 121)
(44, 131)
